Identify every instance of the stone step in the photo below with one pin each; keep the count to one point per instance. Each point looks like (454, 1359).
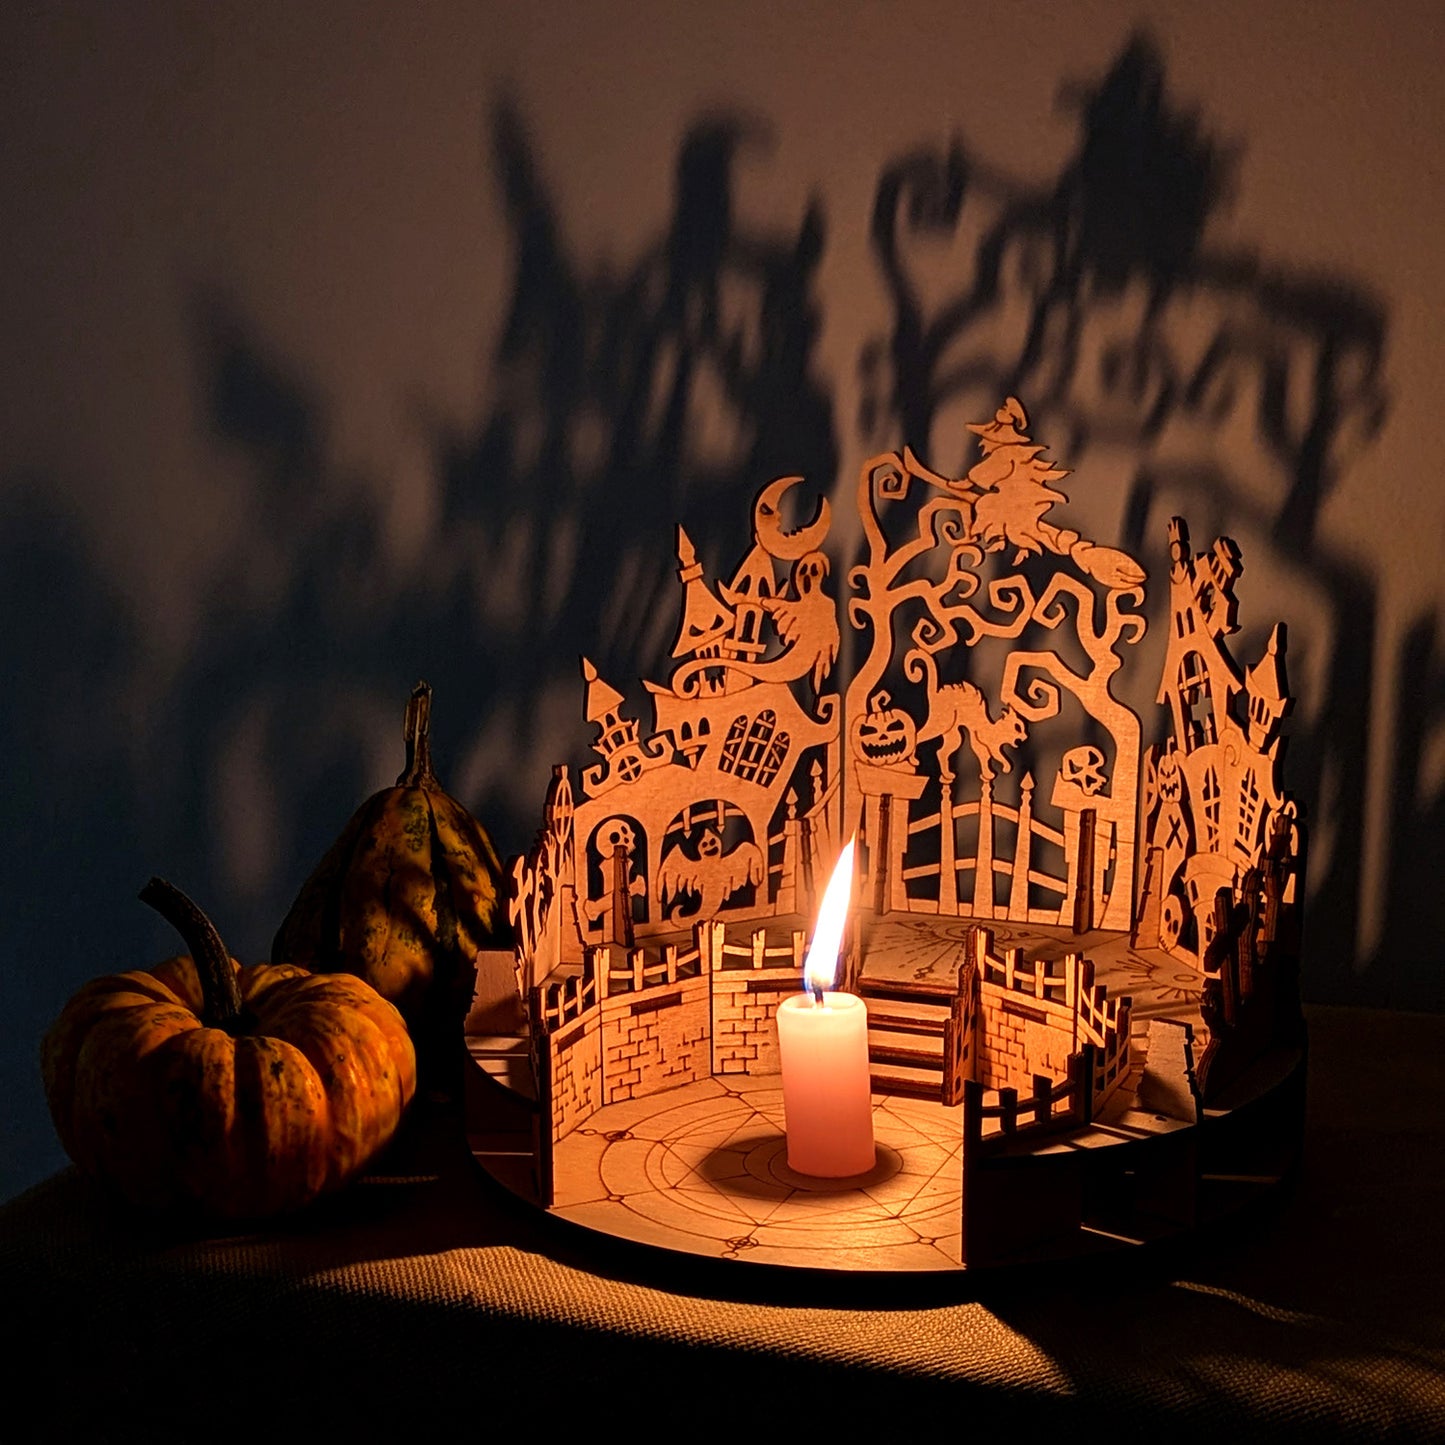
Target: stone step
(903, 1079)
(916, 1012)
(897, 1047)
(908, 989)
(885, 1023)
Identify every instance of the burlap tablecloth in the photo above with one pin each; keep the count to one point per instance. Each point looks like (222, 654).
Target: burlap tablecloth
(430, 1301)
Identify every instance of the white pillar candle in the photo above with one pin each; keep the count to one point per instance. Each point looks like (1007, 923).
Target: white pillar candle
(827, 1093)
(823, 1045)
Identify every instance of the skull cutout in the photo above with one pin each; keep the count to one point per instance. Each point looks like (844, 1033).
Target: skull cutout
(1171, 923)
(1084, 768)
(885, 736)
(613, 834)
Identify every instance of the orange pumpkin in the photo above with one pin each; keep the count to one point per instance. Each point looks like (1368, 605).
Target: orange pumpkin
(237, 1092)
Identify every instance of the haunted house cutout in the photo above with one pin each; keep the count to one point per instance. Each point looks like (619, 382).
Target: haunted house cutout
(727, 805)
(1213, 797)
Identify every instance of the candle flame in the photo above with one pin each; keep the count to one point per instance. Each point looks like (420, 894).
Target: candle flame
(820, 968)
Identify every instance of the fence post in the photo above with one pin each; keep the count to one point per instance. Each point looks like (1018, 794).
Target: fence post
(819, 840)
(952, 1089)
(1225, 947)
(1018, 896)
(788, 880)
(983, 859)
(1248, 953)
(880, 847)
(1084, 874)
(897, 847)
(980, 941)
(972, 1119)
(947, 865)
(1146, 915)
(1043, 1099)
(617, 919)
(1084, 1083)
(1008, 1109)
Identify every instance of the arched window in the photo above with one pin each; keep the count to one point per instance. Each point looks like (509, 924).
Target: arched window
(755, 746)
(1210, 798)
(1196, 703)
(1248, 812)
(733, 746)
(776, 756)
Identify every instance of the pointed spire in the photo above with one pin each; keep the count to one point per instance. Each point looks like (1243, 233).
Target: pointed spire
(603, 700)
(688, 566)
(1268, 690)
(705, 621)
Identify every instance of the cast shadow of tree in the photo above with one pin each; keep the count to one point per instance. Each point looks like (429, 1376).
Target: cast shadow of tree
(1238, 388)
(622, 404)
(632, 402)
(618, 404)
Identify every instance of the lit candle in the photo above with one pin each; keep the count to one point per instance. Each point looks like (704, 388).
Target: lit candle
(823, 1040)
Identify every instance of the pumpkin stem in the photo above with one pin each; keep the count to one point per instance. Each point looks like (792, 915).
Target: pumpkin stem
(417, 731)
(219, 988)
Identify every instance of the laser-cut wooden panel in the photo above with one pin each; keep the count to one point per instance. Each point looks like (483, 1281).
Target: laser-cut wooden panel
(727, 806)
(1213, 792)
(992, 634)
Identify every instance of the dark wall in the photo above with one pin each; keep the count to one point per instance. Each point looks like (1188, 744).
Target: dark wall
(350, 344)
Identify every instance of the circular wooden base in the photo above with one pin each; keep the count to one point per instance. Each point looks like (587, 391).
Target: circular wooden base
(701, 1169)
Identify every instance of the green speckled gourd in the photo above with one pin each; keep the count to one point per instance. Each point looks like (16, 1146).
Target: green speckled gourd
(406, 897)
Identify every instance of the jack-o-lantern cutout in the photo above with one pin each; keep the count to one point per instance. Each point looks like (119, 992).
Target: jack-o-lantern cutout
(885, 736)
(1171, 781)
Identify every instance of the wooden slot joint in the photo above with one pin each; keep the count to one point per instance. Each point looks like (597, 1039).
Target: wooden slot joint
(1084, 873)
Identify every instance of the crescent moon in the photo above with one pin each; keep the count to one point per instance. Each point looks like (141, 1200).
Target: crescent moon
(768, 524)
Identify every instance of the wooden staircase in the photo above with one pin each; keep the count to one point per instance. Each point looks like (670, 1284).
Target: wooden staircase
(906, 1022)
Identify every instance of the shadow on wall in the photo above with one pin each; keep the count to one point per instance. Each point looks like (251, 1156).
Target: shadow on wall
(633, 402)
(1236, 388)
(72, 798)
(619, 405)
(623, 404)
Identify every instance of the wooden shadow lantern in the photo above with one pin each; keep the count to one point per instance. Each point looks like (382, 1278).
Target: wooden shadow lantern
(1077, 956)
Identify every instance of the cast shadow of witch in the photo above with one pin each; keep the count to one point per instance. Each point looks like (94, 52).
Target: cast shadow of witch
(620, 404)
(1238, 388)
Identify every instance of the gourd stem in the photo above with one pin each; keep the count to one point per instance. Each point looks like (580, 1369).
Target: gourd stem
(219, 989)
(417, 731)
